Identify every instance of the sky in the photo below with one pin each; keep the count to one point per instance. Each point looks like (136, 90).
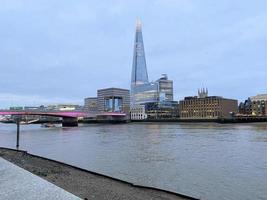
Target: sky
(63, 51)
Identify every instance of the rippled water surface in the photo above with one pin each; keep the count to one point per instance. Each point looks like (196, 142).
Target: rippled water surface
(205, 160)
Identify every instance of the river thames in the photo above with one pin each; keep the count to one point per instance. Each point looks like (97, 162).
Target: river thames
(205, 160)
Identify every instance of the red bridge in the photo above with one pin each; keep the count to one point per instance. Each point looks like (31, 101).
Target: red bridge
(69, 118)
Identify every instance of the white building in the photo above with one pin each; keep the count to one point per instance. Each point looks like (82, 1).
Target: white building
(63, 107)
(138, 112)
(259, 97)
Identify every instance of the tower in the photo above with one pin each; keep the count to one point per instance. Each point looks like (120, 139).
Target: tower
(142, 91)
(139, 70)
(202, 93)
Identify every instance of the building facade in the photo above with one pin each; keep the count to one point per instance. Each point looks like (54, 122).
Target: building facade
(165, 88)
(143, 91)
(162, 110)
(210, 107)
(254, 106)
(139, 70)
(138, 112)
(34, 108)
(245, 108)
(113, 100)
(90, 104)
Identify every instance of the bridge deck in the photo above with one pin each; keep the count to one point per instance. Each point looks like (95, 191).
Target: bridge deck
(73, 114)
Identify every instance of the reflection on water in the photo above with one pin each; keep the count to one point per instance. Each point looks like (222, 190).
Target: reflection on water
(206, 160)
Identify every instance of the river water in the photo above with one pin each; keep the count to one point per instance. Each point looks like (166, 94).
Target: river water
(205, 160)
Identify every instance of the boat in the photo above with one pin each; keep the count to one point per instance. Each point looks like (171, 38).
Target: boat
(48, 125)
(28, 122)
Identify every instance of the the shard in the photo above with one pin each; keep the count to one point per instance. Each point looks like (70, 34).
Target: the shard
(142, 90)
(139, 70)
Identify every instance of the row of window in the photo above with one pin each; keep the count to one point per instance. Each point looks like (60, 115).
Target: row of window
(138, 116)
(200, 103)
(203, 115)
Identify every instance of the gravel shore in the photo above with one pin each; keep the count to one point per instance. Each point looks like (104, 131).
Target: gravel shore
(83, 183)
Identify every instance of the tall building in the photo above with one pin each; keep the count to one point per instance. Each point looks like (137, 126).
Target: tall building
(139, 70)
(143, 91)
(113, 100)
(165, 88)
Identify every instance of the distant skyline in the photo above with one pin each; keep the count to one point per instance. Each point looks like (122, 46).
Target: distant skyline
(63, 51)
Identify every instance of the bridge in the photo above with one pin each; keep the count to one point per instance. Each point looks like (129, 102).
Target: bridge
(69, 118)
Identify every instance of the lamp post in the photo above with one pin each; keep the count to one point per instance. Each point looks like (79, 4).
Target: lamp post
(17, 120)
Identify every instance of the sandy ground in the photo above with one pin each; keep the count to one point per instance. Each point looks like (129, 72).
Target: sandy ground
(82, 183)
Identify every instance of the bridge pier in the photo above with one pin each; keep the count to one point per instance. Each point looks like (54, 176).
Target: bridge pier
(69, 122)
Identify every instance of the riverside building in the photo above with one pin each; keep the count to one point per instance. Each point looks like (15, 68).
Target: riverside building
(162, 110)
(254, 106)
(90, 104)
(138, 112)
(207, 107)
(165, 88)
(113, 100)
(149, 100)
(143, 91)
(63, 107)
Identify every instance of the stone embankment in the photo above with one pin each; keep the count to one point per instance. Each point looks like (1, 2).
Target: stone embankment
(83, 183)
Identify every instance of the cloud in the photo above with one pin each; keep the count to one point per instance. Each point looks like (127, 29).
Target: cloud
(70, 49)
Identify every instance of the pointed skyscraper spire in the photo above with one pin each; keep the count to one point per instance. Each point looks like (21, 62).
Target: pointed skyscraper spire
(138, 24)
(139, 70)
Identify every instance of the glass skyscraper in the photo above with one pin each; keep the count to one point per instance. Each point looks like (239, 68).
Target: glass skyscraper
(139, 71)
(142, 90)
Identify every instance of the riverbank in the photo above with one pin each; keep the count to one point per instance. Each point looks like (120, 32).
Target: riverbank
(233, 120)
(83, 183)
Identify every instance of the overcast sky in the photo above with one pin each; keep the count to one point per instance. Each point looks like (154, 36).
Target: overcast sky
(64, 50)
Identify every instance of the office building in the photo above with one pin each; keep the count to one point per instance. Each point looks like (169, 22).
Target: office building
(207, 107)
(245, 108)
(162, 110)
(113, 100)
(165, 88)
(16, 108)
(254, 106)
(139, 70)
(143, 91)
(138, 112)
(90, 104)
